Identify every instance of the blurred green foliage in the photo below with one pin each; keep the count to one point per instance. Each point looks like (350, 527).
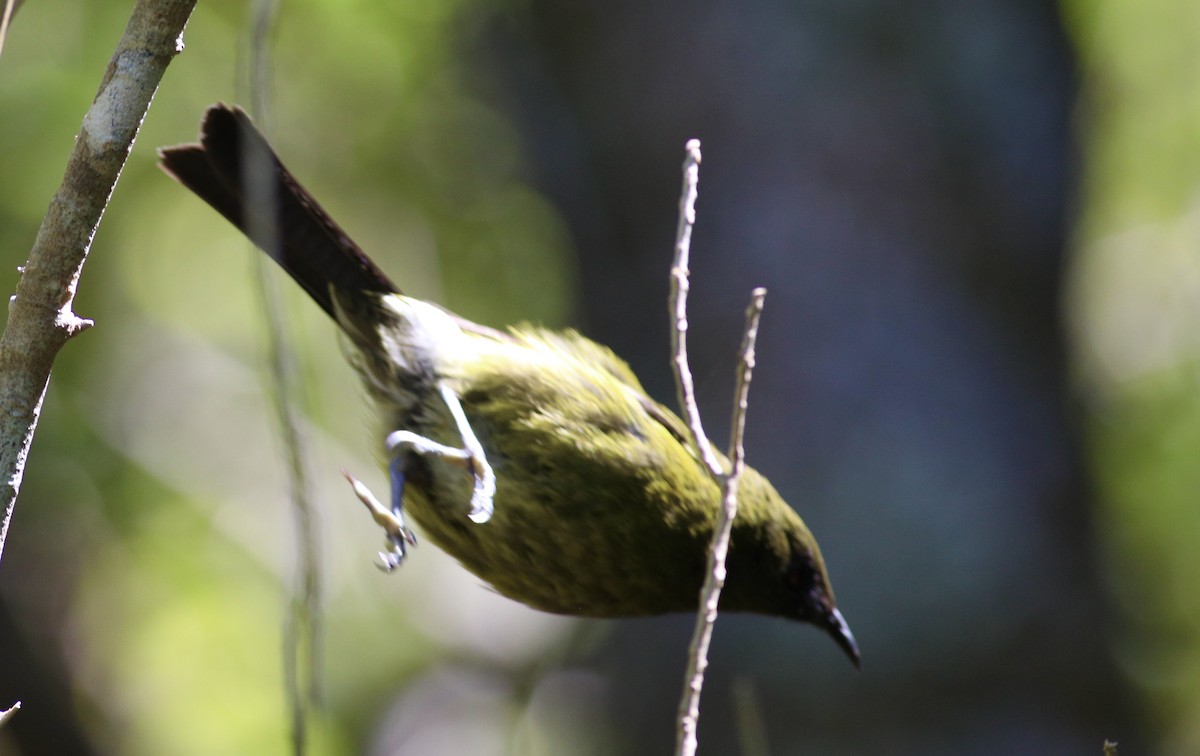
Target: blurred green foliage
(155, 496)
(1135, 313)
(152, 540)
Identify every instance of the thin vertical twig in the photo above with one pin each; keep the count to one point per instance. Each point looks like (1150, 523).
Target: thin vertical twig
(679, 292)
(10, 7)
(302, 622)
(747, 712)
(714, 579)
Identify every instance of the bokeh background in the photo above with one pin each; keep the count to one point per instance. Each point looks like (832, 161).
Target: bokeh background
(979, 223)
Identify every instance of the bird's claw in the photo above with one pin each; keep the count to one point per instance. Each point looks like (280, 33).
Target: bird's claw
(482, 498)
(399, 536)
(399, 540)
(471, 457)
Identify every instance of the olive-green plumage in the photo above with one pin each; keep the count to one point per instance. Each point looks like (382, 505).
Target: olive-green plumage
(602, 507)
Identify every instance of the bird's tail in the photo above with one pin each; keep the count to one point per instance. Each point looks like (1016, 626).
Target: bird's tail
(235, 171)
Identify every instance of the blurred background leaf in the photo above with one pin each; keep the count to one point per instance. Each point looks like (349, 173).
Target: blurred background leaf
(993, 438)
(1134, 305)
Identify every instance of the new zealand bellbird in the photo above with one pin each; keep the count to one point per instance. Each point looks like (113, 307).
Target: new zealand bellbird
(533, 457)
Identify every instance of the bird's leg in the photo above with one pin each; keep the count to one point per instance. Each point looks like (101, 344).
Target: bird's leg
(391, 520)
(471, 456)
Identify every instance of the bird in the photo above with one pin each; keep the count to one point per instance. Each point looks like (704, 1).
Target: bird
(533, 457)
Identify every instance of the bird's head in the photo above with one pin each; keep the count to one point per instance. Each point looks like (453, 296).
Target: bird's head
(775, 567)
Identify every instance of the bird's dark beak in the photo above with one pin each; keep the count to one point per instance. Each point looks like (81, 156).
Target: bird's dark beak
(841, 634)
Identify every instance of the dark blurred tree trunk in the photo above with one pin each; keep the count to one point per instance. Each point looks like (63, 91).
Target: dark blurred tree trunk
(899, 176)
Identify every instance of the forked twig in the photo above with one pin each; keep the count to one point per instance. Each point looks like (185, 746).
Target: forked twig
(714, 579)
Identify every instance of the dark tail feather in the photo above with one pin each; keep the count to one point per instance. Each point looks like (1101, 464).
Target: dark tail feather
(234, 170)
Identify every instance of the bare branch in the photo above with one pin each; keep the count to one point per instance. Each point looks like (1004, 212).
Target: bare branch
(714, 579)
(40, 319)
(6, 16)
(679, 292)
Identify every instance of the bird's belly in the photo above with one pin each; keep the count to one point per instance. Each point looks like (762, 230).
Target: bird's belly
(599, 548)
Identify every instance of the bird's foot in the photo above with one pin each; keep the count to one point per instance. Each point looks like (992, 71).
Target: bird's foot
(399, 536)
(471, 456)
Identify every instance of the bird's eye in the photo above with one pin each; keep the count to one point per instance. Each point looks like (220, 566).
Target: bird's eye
(800, 573)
